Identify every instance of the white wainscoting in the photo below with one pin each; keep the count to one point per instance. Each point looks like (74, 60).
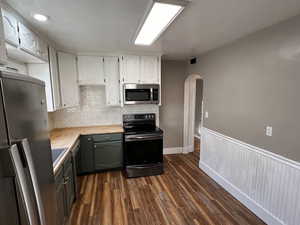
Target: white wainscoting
(176, 150)
(268, 184)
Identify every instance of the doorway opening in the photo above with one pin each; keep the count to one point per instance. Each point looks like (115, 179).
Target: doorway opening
(193, 114)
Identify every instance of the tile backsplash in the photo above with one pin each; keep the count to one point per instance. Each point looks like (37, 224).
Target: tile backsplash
(94, 111)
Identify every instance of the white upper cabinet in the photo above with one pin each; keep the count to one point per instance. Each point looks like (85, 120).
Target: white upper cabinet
(28, 39)
(49, 74)
(90, 70)
(41, 71)
(112, 77)
(68, 79)
(3, 55)
(130, 69)
(149, 70)
(54, 78)
(42, 49)
(10, 25)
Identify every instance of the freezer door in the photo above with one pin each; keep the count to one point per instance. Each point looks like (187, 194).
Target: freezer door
(24, 187)
(27, 117)
(8, 197)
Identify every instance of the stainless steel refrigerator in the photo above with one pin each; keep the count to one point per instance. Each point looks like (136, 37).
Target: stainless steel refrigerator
(27, 190)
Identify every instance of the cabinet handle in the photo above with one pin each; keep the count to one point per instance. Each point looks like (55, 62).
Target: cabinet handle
(66, 180)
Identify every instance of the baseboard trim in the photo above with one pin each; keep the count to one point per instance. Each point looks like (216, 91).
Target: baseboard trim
(249, 203)
(175, 150)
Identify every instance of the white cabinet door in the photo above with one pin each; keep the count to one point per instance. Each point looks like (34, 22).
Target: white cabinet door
(54, 78)
(28, 40)
(41, 71)
(90, 70)
(112, 77)
(10, 25)
(130, 69)
(68, 79)
(42, 49)
(149, 69)
(3, 55)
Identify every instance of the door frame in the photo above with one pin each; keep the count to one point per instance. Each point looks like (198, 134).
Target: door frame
(189, 112)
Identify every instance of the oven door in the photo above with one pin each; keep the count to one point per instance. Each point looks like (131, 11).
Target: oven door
(143, 149)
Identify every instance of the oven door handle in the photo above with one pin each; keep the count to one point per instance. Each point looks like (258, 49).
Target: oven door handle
(143, 138)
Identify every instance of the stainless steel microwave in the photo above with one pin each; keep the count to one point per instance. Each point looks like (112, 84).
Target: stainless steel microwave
(141, 94)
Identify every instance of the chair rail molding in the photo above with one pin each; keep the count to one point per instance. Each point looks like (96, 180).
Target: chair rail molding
(267, 183)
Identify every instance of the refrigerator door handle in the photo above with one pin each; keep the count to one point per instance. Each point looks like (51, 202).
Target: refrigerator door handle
(23, 184)
(37, 193)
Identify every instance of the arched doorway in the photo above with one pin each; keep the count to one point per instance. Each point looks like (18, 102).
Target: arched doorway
(189, 112)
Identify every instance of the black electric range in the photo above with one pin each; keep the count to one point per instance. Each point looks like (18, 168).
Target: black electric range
(143, 145)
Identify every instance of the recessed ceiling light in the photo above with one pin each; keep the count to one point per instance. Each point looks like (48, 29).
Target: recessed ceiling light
(160, 15)
(40, 17)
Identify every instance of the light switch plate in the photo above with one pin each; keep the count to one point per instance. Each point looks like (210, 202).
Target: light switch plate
(269, 131)
(206, 114)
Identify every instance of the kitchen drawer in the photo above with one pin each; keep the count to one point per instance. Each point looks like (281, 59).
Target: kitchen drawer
(107, 137)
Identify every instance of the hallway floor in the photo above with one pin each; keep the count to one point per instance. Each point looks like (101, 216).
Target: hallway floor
(183, 195)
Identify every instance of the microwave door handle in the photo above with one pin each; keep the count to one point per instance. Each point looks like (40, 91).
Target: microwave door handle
(151, 94)
(23, 185)
(37, 193)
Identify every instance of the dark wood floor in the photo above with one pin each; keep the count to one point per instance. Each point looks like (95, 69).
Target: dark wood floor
(183, 195)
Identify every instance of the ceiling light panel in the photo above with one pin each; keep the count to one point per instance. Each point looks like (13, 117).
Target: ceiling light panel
(158, 18)
(40, 17)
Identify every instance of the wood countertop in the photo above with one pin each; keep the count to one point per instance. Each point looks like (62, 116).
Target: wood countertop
(67, 137)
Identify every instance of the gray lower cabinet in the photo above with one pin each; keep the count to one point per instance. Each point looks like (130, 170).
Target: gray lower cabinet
(100, 152)
(86, 154)
(65, 190)
(108, 155)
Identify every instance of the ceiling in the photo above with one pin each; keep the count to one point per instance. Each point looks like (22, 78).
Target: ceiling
(110, 25)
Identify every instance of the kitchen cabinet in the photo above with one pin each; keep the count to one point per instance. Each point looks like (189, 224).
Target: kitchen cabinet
(3, 55)
(108, 151)
(65, 190)
(42, 72)
(10, 26)
(28, 39)
(48, 73)
(31, 43)
(112, 80)
(53, 66)
(86, 154)
(108, 155)
(42, 49)
(68, 79)
(91, 70)
(101, 152)
(69, 186)
(149, 70)
(61, 208)
(130, 69)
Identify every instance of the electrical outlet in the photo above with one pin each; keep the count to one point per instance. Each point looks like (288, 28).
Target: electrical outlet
(269, 131)
(206, 114)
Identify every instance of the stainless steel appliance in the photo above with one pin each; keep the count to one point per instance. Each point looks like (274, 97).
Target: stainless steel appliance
(143, 145)
(27, 191)
(141, 94)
